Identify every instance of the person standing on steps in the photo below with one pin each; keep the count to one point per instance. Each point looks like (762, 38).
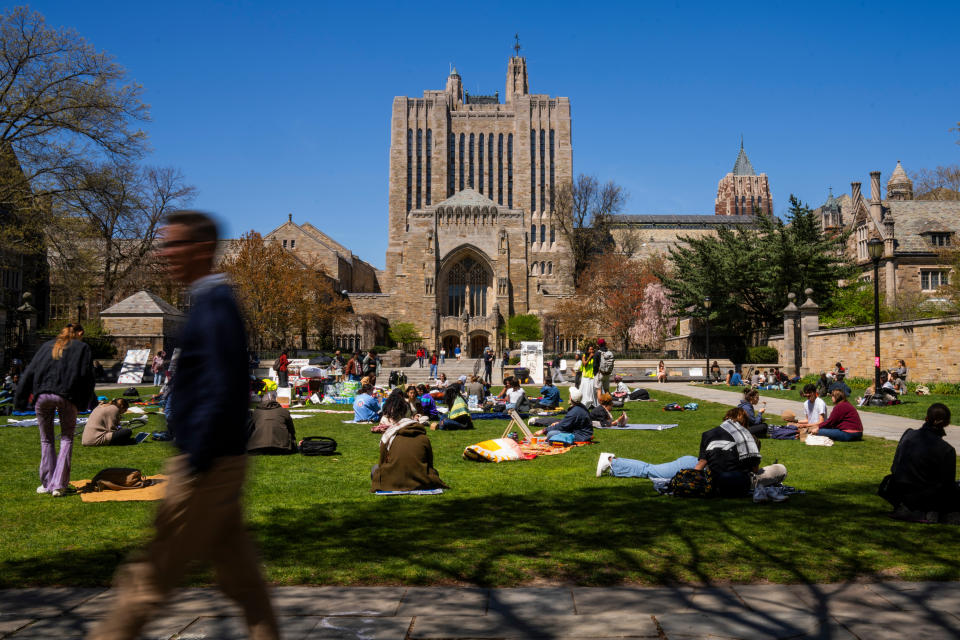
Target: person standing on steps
(488, 365)
(200, 519)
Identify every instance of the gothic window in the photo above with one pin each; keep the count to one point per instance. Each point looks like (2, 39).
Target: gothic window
(533, 234)
(456, 290)
(543, 233)
(760, 202)
(543, 156)
(753, 205)
(550, 268)
(553, 234)
(543, 268)
(500, 169)
(736, 207)
(940, 239)
(409, 169)
(470, 176)
(429, 156)
(419, 165)
(480, 164)
(478, 290)
(451, 163)
(510, 170)
(490, 165)
(464, 273)
(462, 141)
(533, 170)
(552, 192)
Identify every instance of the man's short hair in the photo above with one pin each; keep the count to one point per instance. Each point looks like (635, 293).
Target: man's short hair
(203, 228)
(809, 388)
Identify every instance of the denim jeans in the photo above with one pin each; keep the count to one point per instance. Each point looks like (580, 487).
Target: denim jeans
(433, 371)
(840, 436)
(627, 468)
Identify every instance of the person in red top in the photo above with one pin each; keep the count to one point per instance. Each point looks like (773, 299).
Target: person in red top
(844, 422)
(282, 363)
(420, 353)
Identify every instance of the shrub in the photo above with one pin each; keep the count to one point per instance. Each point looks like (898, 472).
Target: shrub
(762, 355)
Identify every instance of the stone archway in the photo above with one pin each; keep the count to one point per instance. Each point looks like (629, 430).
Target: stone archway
(449, 342)
(479, 340)
(465, 284)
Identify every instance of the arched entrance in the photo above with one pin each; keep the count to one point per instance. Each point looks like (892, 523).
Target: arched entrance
(478, 342)
(450, 342)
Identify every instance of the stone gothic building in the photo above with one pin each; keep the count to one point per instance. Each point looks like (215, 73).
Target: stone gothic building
(742, 191)
(473, 237)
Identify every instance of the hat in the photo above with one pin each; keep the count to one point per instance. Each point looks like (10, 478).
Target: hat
(575, 394)
(462, 378)
(602, 342)
(789, 416)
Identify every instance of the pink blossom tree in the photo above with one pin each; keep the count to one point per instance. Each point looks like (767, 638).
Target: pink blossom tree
(655, 318)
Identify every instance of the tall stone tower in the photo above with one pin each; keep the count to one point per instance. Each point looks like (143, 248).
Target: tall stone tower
(742, 191)
(900, 186)
(473, 236)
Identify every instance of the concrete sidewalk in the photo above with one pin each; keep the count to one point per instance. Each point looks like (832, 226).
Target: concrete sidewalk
(874, 424)
(874, 611)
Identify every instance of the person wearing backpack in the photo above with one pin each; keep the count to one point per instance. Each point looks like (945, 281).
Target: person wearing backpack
(281, 367)
(603, 361)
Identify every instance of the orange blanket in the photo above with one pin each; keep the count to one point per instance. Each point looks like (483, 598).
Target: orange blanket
(155, 491)
(531, 451)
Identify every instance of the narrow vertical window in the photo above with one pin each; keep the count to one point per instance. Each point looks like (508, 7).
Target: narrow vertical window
(419, 166)
(552, 191)
(550, 268)
(533, 235)
(429, 162)
(409, 169)
(470, 182)
(533, 170)
(543, 233)
(451, 165)
(480, 164)
(490, 165)
(460, 156)
(500, 169)
(510, 170)
(553, 234)
(543, 175)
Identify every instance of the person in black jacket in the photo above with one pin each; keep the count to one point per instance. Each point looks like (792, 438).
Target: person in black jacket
(922, 484)
(577, 421)
(755, 423)
(60, 380)
(200, 518)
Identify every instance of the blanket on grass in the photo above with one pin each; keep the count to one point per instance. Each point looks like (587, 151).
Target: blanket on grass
(415, 492)
(531, 451)
(33, 423)
(155, 491)
(494, 416)
(639, 427)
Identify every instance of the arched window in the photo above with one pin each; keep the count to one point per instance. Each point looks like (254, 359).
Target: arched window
(470, 175)
(510, 170)
(480, 164)
(490, 166)
(533, 234)
(451, 164)
(500, 169)
(409, 169)
(552, 194)
(419, 165)
(543, 233)
(429, 154)
(456, 290)
(543, 175)
(543, 268)
(550, 268)
(462, 141)
(478, 290)
(467, 283)
(553, 234)
(533, 170)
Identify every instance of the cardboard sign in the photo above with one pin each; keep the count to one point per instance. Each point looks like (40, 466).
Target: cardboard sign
(531, 357)
(134, 364)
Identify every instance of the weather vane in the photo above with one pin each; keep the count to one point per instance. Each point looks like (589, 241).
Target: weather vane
(516, 43)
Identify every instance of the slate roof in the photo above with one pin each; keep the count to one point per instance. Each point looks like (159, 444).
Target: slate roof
(913, 218)
(674, 219)
(742, 166)
(142, 303)
(466, 198)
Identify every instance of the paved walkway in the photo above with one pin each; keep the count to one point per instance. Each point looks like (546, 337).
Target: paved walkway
(875, 611)
(874, 424)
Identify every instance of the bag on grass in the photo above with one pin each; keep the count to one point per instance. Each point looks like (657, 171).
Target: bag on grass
(318, 446)
(923, 390)
(561, 437)
(131, 392)
(498, 450)
(691, 483)
(118, 479)
(639, 394)
(783, 433)
(617, 403)
(673, 406)
(691, 406)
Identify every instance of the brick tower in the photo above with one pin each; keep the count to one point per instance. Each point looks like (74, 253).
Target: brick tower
(742, 191)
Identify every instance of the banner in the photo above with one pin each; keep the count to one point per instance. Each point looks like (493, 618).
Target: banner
(293, 371)
(134, 364)
(531, 357)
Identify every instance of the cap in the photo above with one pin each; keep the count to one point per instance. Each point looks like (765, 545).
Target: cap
(575, 394)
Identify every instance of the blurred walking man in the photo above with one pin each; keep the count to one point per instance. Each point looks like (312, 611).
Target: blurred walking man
(200, 519)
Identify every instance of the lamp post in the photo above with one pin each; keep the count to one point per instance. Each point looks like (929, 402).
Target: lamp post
(356, 335)
(706, 317)
(556, 338)
(80, 302)
(875, 249)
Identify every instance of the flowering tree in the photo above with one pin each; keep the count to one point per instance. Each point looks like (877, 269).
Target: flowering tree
(655, 320)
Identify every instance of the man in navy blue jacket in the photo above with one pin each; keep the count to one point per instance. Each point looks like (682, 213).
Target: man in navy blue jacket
(200, 518)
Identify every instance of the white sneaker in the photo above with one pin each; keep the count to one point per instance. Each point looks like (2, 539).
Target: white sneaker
(42, 489)
(603, 463)
(760, 495)
(776, 494)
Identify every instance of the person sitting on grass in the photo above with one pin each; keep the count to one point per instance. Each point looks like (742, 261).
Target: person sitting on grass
(458, 415)
(622, 390)
(922, 485)
(366, 408)
(427, 404)
(517, 397)
(736, 379)
(823, 385)
(476, 389)
(412, 395)
(841, 385)
(897, 383)
(271, 428)
(406, 456)
(755, 423)
(844, 423)
(549, 395)
(103, 426)
(577, 421)
(814, 408)
(603, 417)
(396, 409)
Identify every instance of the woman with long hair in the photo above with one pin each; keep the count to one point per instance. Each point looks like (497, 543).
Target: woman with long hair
(60, 381)
(588, 387)
(661, 372)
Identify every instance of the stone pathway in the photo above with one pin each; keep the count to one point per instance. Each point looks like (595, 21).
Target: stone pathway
(874, 424)
(874, 611)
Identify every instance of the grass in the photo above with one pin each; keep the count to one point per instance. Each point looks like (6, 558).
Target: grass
(544, 521)
(912, 406)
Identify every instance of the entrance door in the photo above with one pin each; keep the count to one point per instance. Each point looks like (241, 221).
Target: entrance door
(477, 344)
(450, 343)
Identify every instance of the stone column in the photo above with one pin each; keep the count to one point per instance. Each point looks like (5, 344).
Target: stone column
(788, 358)
(809, 321)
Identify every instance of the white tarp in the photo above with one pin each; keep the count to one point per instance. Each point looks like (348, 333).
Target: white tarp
(134, 364)
(531, 357)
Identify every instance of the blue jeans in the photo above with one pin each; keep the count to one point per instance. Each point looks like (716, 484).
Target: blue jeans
(840, 436)
(627, 468)
(433, 371)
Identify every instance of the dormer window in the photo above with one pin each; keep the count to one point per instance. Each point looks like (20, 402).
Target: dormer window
(940, 239)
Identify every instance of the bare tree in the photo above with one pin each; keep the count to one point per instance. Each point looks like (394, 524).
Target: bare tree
(942, 183)
(585, 210)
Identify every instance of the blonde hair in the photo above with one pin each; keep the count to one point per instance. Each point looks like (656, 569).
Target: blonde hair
(68, 333)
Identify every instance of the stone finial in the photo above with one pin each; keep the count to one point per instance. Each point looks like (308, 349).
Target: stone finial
(809, 304)
(791, 307)
(289, 217)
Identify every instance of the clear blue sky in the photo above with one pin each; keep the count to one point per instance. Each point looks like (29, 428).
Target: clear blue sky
(272, 108)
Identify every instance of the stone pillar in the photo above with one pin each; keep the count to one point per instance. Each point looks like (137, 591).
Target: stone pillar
(890, 267)
(809, 321)
(789, 356)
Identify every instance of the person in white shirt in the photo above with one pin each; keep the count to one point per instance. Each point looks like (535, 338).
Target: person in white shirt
(517, 397)
(814, 407)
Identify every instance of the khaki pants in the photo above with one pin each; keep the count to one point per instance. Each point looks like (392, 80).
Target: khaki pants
(199, 520)
(769, 475)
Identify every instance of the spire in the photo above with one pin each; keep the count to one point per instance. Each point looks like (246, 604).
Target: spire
(742, 167)
(516, 45)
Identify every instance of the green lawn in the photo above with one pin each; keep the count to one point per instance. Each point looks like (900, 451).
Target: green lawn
(548, 520)
(913, 406)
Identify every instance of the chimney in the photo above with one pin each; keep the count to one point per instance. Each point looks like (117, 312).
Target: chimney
(855, 191)
(874, 186)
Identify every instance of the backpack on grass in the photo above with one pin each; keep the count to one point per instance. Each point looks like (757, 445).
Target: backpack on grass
(691, 483)
(119, 479)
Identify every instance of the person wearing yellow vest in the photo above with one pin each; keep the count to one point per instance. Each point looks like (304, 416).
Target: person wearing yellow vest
(458, 416)
(588, 382)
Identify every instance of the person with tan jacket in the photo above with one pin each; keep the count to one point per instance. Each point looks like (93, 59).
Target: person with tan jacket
(103, 426)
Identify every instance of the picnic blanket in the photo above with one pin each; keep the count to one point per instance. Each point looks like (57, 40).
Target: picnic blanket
(33, 422)
(494, 416)
(415, 492)
(531, 451)
(358, 422)
(155, 491)
(640, 427)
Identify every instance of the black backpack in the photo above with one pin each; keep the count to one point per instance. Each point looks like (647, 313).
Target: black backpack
(318, 446)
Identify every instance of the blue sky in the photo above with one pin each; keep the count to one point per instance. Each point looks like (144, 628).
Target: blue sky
(277, 108)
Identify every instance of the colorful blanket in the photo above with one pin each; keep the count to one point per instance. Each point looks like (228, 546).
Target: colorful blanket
(155, 491)
(639, 427)
(531, 451)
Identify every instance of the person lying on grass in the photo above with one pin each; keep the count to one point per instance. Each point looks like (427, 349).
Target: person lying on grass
(406, 456)
(844, 423)
(922, 485)
(458, 415)
(103, 426)
(603, 417)
(577, 421)
(730, 452)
